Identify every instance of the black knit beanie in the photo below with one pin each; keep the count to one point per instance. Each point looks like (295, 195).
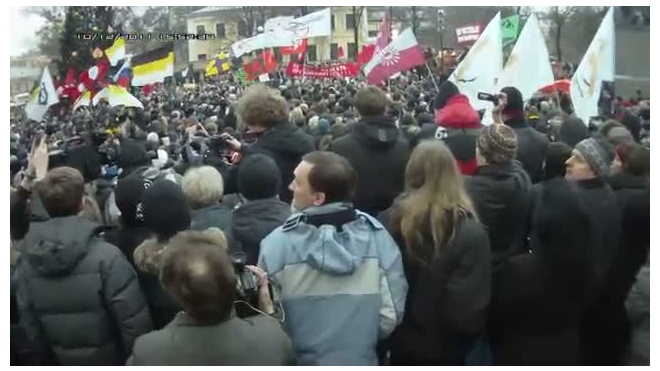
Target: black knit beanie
(165, 208)
(259, 177)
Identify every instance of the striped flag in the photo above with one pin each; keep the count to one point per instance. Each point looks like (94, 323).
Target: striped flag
(153, 66)
(83, 101)
(116, 52)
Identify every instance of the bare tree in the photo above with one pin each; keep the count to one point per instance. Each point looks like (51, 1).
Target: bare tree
(357, 15)
(557, 18)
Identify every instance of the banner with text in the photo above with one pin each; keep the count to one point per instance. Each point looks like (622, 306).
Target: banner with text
(335, 70)
(468, 34)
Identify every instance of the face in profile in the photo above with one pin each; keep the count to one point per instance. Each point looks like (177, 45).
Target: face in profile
(303, 194)
(577, 168)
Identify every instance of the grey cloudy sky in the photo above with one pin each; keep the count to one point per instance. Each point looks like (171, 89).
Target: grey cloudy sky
(23, 28)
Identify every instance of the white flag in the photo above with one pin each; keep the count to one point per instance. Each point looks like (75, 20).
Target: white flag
(311, 25)
(41, 98)
(245, 46)
(276, 32)
(592, 71)
(479, 70)
(528, 67)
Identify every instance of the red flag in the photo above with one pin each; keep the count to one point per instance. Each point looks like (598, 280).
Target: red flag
(70, 79)
(401, 54)
(300, 47)
(365, 54)
(340, 52)
(270, 63)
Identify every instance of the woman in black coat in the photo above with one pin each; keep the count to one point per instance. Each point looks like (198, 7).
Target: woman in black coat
(538, 298)
(446, 258)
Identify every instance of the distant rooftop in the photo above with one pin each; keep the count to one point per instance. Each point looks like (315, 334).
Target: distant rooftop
(211, 9)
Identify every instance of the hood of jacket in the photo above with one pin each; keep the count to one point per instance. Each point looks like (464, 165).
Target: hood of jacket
(54, 247)
(288, 139)
(378, 132)
(329, 250)
(573, 131)
(148, 257)
(259, 212)
(627, 181)
(458, 114)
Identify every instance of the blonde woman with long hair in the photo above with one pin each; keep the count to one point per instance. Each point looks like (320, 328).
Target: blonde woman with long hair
(446, 255)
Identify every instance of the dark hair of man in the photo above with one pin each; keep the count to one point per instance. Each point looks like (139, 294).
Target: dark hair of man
(333, 175)
(638, 161)
(61, 191)
(197, 271)
(19, 219)
(371, 102)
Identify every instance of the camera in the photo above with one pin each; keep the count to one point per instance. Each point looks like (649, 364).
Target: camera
(247, 287)
(493, 98)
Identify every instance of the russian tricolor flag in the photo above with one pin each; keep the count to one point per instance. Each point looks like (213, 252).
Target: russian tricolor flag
(123, 76)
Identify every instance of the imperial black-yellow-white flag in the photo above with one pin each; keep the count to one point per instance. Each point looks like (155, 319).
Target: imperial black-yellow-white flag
(42, 97)
(153, 66)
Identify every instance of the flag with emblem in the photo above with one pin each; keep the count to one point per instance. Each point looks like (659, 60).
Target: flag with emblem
(42, 97)
(528, 67)
(510, 26)
(401, 54)
(221, 63)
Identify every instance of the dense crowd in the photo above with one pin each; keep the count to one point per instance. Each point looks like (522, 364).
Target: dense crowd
(330, 222)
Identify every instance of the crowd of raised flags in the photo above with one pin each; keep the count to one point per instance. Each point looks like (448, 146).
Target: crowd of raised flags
(481, 70)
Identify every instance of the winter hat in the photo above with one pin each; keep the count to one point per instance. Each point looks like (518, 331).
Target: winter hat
(618, 135)
(132, 154)
(153, 137)
(128, 195)
(556, 155)
(447, 90)
(633, 124)
(323, 127)
(497, 144)
(165, 209)
(259, 177)
(598, 153)
(573, 131)
(514, 100)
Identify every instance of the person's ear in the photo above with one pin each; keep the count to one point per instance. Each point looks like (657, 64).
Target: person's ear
(319, 198)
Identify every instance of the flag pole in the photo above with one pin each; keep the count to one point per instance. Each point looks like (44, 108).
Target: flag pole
(432, 77)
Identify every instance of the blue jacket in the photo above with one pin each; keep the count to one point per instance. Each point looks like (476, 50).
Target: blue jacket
(342, 291)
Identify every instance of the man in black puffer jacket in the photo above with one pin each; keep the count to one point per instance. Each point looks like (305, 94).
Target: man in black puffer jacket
(377, 151)
(79, 298)
(531, 142)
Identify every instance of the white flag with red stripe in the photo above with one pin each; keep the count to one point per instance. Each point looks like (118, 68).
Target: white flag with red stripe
(401, 54)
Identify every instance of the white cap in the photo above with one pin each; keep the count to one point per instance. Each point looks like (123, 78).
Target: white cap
(153, 137)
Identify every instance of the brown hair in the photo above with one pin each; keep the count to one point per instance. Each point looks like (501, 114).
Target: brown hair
(197, 271)
(61, 191)
(435, 200)
(332, 174)
(262, 106)
(371, 101)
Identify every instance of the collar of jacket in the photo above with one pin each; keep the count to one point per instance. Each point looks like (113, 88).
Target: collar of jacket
(594, 183)
(184, 319)
(626, 181)
(487, 170)
(336, 213)
(516, 123)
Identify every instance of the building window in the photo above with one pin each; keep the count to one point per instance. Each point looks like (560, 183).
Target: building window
(311, 53)
(373, 33)
(351, 51)
(220, 30)
(201, 30)
(350, 21)
(333, 51)
(201, 57)
(241, 27)
(332, 22)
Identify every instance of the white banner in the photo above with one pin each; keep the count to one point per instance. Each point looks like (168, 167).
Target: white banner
(479, 70)
(593, 70)
(528, 67)
(245, 46)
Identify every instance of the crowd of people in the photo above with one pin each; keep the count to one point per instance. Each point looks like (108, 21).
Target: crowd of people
(330, 222)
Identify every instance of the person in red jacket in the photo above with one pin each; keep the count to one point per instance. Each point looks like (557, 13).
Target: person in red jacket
(458, 124)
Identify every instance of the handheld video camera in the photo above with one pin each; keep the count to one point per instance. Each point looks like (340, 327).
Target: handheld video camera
(247, 287)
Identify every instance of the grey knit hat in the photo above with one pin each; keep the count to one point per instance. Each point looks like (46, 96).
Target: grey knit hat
(497, 144)
(598, 153)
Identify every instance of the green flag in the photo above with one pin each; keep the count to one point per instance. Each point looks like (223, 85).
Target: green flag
(510, 27)
(240, 75)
